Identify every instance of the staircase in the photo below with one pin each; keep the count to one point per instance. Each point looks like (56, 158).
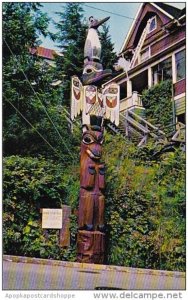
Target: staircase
(137, 129)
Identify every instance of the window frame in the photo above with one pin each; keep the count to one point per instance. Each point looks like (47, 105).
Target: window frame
(161, 70)
(153, 18)
(176, 71)
(142, 51)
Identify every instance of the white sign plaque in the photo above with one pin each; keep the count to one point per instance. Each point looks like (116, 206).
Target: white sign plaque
(52, 218)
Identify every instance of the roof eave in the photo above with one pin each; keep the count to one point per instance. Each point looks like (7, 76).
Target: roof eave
(133, 24)
(162, 10)
(131, 28)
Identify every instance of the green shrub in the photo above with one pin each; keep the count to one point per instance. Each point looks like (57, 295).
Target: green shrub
(31, 184)
(158, 104)
(145, 207)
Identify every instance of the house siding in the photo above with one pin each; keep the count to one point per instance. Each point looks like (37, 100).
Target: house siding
(179, 87)
(180, 106)
(167, 41)
(153, 37)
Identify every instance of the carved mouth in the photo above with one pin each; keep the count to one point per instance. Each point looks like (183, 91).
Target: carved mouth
(93, 155)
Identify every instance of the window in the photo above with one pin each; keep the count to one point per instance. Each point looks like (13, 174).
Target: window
(181, 118)
(145, 54)
(153, 24)
(180, 65)
(162, 71)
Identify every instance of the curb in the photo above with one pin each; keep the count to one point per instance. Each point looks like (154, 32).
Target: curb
(85, 266)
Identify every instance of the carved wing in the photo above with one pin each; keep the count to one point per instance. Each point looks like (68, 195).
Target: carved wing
(111, 97)
(76, 97)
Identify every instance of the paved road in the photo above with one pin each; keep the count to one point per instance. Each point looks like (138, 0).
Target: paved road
(22, 276)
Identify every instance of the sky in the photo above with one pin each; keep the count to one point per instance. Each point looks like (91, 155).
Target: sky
(121, 14)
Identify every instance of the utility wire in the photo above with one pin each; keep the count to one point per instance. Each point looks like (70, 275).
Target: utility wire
(41, 103)
(32, 126)
(119, 15)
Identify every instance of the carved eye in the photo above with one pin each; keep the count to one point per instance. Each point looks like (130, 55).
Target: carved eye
(89, 70)
(87, 140)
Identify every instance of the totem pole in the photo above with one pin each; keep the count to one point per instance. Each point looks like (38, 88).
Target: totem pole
(95, 103)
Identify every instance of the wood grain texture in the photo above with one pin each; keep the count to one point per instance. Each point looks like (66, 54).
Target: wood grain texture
(90, 242)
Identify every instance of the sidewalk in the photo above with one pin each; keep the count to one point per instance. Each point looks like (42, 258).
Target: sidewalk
(21, 273)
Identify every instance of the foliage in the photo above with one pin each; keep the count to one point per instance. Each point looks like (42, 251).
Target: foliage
(71, 38)
(28, 95)
(72, 31)
(158, 104)
(31, 184)
(108, 56)
(145, 208)
(22, 25)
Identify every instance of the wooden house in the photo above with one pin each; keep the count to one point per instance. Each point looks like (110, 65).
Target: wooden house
(48, 55)
(48, 58)
(154, 50)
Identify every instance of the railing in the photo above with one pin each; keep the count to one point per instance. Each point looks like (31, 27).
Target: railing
(133, 100)
(150, 126)
(179, 135)
(140, 44)
(134, 123)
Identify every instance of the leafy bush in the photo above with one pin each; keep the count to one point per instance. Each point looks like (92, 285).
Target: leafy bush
(31, 184)
(158, 104)
(145, 207)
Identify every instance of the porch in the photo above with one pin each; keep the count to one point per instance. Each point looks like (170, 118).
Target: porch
(130, 92)
(131, 102)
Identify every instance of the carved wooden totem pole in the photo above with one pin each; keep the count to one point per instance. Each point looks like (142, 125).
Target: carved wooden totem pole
(95, 104)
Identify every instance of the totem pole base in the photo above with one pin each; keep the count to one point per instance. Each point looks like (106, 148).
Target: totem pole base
(90, 247)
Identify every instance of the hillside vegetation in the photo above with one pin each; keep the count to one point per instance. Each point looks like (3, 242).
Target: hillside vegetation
(145, 206)
(145, 194)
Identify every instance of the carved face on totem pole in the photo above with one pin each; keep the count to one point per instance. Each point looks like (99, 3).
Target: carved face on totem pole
(92, 183)
(91, 144)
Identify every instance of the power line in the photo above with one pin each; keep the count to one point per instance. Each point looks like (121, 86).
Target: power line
(41, 103)
(109, 12)
(31, 125)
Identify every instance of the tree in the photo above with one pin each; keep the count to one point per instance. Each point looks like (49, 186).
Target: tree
(27, 91)
(71, 38)
(108, 56)
(22, 25)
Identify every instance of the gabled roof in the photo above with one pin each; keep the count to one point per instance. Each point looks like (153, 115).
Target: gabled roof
(183, 12)
(169, 12)
(45, 52)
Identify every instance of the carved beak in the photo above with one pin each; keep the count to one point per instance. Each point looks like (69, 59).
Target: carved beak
(93, 155)
(100, 22)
